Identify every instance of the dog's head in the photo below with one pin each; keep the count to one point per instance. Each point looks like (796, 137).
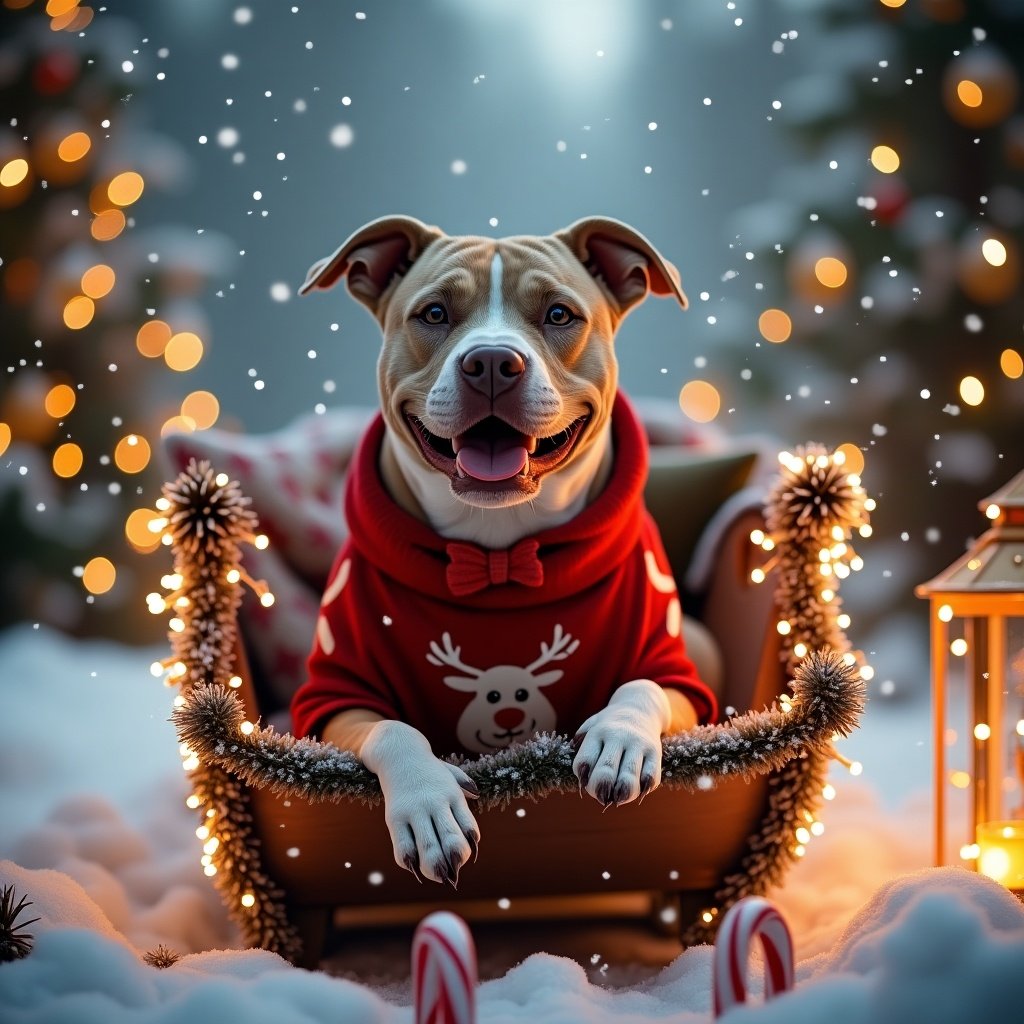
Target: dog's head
(497, 366)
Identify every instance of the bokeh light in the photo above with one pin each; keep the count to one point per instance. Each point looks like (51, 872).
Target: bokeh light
(202, 408)
(1011, 363)
(152, 338)
(60, 400)
(830, 271)
(5, 436)
(78, 312)
(183, 351)
(994, 251)
(67, 460)
(106, 225)
(132, 454)
(969, 93)
(74, 146)
(972, 391)
(99, 575)
(125, 188)
(700, 401)
(136, 529)
(775, 326)
(178, 425)
(885, 159)
(13, 172)
(854, 458)
(97, 281)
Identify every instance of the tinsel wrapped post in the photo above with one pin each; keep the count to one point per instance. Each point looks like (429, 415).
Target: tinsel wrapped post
(207, 519)
(811, 514)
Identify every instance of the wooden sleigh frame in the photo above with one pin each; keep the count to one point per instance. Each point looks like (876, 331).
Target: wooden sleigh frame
(293, 830)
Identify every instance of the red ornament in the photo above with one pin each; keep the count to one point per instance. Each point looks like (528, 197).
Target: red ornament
(891, 199)
(54, 72)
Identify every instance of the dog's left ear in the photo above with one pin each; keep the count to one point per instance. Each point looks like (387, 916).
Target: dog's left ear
(623, 260)
(372, 257)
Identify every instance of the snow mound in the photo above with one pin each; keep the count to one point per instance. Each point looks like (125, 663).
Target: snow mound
(943, 944)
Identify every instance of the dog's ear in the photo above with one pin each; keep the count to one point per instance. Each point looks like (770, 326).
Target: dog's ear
(623, 260)
(372, 257)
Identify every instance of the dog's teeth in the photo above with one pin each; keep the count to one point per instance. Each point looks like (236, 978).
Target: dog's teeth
(531, 445)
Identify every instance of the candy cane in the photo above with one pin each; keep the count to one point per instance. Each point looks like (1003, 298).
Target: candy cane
(444, 971)
(749, 918)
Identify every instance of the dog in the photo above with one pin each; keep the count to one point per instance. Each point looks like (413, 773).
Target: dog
(498, 545)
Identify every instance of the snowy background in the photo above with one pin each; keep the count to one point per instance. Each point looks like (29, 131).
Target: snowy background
(738, 137)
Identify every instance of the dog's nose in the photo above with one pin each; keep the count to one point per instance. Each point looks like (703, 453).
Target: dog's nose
(508, 718)
(492, 369)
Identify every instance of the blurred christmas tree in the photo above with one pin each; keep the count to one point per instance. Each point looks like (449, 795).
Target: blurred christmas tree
(87, 296)
(895, 244)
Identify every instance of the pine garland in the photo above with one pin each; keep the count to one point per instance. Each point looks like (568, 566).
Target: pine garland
(207, 519)
(15, 942)
(828, 700)
(810, 515)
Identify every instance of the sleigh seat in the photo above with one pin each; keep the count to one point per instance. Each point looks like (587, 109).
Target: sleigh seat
(690, 851)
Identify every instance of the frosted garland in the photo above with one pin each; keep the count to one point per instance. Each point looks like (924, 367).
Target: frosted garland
(811, 513)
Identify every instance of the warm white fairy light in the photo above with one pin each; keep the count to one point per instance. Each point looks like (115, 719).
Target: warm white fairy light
(233, 575)
(190, 764)
(266, 599)
(828, 595)
(800, 650)
(784, 627)
(1020, 727)
(970, 851)
(210, 846)
(177, 625)
(156, 669)
(261, 542)
(221, 479)
(856, 768)
(179, 700)
(246, 728)
(982, 731)
(945, 613)
(867, 673)
(802, 835)
(958, 647)
(210, 870)
(828, 791)
(235, 682)
(757, 537)
(202, 832)
(248, 899)
(843, 620)
(757, 575)
(817, 828)
(192, 801)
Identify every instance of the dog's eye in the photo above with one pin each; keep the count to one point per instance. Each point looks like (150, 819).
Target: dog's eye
(560, 316)
(522, 694)
(434, 314)
(493, 697)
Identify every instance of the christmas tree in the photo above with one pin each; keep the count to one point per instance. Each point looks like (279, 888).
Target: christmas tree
(91, 297)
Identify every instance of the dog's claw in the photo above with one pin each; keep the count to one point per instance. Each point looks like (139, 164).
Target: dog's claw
(646, 781)
(621, 792)
(584, 776)
(474, 845)
(413, 864)
(604, 793)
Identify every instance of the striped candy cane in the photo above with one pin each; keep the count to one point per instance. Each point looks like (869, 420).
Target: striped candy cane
(749, 918)
(444, 971)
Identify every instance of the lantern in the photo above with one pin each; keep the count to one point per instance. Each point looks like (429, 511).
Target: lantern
(979, 602)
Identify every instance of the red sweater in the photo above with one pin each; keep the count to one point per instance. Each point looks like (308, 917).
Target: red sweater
(478, 649)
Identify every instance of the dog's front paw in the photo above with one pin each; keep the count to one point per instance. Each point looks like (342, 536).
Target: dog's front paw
(432, 830)
(619, 758)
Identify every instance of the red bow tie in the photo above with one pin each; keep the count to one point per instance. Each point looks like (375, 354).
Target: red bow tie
(472, 568)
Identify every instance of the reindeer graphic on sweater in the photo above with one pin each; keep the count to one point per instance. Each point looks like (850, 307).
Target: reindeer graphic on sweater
(507, 703)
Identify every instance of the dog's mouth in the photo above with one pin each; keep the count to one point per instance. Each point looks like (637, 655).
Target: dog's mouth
(492, 450)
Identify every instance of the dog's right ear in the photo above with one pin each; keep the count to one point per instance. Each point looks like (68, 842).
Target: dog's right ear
(372, 257)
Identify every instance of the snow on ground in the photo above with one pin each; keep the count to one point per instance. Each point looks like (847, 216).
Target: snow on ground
(92, 801)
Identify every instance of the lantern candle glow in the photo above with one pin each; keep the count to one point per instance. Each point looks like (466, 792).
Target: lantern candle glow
(982, 596)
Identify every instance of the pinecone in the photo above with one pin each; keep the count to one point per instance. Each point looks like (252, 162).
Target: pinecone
(161, 957)
(15, 943)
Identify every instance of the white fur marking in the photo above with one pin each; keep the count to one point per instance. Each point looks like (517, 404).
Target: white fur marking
(495, 306)
(662, 582)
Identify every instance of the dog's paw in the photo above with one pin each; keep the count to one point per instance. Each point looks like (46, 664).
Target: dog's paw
(619, 758)
(432, 830)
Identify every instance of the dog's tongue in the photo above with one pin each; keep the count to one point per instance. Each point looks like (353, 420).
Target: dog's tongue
(491, 458)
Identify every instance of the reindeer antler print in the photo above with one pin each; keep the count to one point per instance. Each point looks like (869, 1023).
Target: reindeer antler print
(561, 646)
(450, 656)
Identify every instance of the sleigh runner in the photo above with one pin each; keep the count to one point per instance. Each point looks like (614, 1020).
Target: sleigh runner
(293, 830)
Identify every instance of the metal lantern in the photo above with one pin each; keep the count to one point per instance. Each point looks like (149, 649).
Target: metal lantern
(977, 622)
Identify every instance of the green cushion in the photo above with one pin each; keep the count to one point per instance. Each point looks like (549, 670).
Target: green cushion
(685, 489)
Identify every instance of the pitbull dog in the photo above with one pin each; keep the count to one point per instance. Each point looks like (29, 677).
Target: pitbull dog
(497, 380)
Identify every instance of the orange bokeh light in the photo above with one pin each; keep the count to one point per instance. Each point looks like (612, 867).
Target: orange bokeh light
(132, 454)
(74, 146)
(775, 326)
(202, 408)
(98, 280)
(700, 401)
(125, 188)
(59, 401)
(99, 575)
(67, 460)
(78, 312)
(152, 338)
(107, 225)
(183, 351)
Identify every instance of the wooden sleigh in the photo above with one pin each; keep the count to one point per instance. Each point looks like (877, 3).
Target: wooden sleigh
(293, 831)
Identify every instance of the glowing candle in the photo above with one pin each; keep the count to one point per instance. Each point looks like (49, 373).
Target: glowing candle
(1001, 852)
